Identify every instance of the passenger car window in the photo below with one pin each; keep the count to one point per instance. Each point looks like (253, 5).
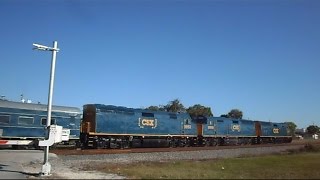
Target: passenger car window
(44, 121)
(5, 119)
(25, 120)
(73, 120)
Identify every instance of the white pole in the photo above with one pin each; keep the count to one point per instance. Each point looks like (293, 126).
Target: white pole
(46, 167)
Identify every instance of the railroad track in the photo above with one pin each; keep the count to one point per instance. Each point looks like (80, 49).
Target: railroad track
(145, 150)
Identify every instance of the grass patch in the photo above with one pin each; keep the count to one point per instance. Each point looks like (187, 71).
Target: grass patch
(300, 164)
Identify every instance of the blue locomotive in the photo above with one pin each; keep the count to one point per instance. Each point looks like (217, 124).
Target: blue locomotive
(27, 121)
(108, 126)
(222, 131)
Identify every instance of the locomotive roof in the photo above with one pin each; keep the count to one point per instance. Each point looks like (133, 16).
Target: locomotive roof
(242, 120)
(103, 107)
(112, 107)
(37, 107)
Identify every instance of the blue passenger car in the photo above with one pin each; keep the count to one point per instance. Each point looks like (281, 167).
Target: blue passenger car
(28, 121)
(108, 126)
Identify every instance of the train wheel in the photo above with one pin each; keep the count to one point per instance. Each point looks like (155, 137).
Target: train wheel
(182, 143)
(124, 144)
(188, 143)
(221, 142)
(173, 143)
(207, 143)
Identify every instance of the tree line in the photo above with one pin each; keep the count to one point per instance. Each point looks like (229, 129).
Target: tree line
(200, 110)
(195, 110)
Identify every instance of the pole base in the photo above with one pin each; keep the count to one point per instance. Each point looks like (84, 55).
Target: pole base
(46, 168)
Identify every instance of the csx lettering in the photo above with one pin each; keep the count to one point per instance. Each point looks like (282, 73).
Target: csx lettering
(236, 127)
(147, 122)
(275, 130)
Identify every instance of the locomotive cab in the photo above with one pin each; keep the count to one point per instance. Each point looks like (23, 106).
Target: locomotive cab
(88, 123)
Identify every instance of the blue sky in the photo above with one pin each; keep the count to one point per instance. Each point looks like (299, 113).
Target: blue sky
(261, 57)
